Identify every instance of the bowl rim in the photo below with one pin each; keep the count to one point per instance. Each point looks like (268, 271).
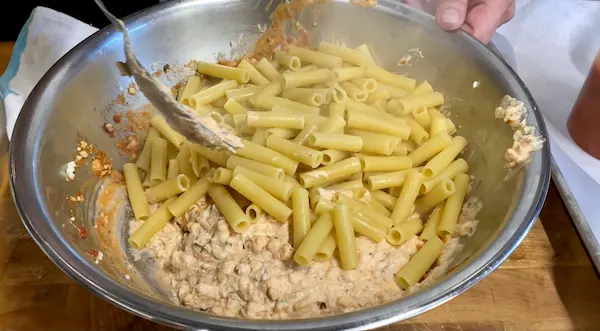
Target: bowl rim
(27, 197)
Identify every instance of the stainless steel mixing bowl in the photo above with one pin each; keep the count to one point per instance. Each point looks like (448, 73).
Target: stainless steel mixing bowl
(72, 98)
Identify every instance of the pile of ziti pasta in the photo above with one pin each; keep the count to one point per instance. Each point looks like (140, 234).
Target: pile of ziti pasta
(332, 143)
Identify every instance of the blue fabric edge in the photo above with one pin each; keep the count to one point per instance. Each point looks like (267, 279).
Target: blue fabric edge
(15, 59)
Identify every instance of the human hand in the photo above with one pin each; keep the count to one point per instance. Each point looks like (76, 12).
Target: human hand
(480, 18)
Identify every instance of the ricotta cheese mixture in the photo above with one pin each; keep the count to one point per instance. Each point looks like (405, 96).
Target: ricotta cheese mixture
(526, 141)
(206, 266)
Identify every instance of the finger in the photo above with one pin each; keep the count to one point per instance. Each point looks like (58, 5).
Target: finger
(486, 16)
(451, 14)
(509, 13)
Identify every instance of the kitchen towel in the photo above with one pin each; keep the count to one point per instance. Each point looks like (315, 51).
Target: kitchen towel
(44, 39)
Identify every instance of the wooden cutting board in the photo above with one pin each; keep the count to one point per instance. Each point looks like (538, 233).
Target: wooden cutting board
(548, 283)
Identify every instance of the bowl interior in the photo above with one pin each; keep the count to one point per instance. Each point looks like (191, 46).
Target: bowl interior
(78, 97)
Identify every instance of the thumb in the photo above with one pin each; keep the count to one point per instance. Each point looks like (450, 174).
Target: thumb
(450, 14)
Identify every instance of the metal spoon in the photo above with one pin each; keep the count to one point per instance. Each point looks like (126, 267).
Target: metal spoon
(197, 129)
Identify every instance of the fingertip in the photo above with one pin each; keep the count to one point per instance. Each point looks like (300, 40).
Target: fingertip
(449, 19)
(450, 14)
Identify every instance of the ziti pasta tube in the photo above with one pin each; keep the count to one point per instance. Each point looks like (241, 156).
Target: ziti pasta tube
(160, 124)
(189, 197)
(143, 161)
(430, 229)
(430, 148)
(255, 76)
(439, 162)
(158, 161)
(265, 169)
(314, 57)
(327, 248)
(313, 240)
(305, 155)
(278, 188)
(418, 265)
(441, 192)
(151, 226)
(455, 168)
(261, 198)
(453, 206)
(254, 213)
(230, 210)
(344, 234)
(401, 233)
(135, 192)
(268, 156)
(168, 189)
(216, 70)
(330, 173)
(407, 197)
(301, 215)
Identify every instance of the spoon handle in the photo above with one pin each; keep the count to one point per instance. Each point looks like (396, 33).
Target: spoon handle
(195, 128)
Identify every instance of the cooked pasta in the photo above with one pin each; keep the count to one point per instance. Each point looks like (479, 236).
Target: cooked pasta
(314, 57)
(453, 205)
(386, 77)
(168, 189)
(305, 78)
(347, 54)
(313, 240)
(160, 124)
(254, 75)
(265, 169)
(216, 70)
(344, 74)
(232, 212)
(268, 156)
(211, 94)
(254, 213)
(442, 160)
(430, 148)
(192, 86)
(440, 193)
(278, 188)
(135, 192)
(301, 215)
(267, 69)
(430, 228)
(260, 197)
(408, 195)
(379, 124)
(344, 233)
(190, 197)
(158, 161)
(330, 173)
(341, 149)
(455, 168)
(402, 232)
(305, 155)
(418, 265)
(261, 119)
(151, 226)
(338, 141)
(327, 248)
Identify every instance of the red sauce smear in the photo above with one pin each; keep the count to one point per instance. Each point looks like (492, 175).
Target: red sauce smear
(83, 233)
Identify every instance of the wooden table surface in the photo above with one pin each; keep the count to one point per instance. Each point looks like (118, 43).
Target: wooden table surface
(548, 283)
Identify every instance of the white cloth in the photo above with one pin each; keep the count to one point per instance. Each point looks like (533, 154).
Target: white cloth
(44, 39)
